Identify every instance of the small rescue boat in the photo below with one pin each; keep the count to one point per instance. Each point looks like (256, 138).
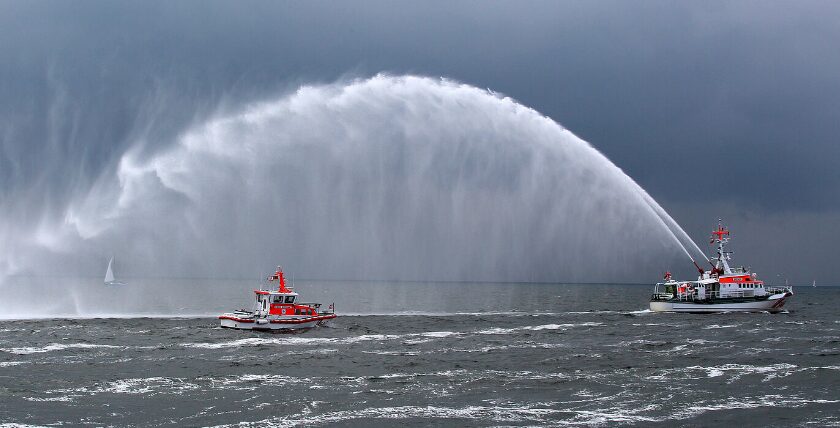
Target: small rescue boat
(278, 311)
(724, 288)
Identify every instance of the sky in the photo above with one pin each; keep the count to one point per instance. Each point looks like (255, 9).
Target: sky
(717, 109)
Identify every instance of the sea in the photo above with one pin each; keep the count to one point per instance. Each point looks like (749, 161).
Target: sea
(151, 353)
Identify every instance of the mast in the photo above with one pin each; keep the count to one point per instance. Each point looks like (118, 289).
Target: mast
(721, 237)
(279, 277)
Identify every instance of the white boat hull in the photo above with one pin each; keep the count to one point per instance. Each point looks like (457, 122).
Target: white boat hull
(280, 323)
(774, 303)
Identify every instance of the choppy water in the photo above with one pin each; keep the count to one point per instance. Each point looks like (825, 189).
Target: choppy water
(469, 355)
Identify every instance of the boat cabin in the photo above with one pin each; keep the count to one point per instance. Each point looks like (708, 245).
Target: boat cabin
(282, 302)
(741, 286)
(723, 287)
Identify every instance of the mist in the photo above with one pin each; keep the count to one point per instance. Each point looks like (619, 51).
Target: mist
(388, 177)
(90, 91)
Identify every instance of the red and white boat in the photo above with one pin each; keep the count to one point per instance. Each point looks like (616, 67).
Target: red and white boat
(724, 288)
(278, 310)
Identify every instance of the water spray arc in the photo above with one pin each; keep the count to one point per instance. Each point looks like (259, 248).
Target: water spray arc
(671, 225)
(391, 177)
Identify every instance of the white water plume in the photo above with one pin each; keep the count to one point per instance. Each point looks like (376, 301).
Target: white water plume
(387, 177)
(669, 223)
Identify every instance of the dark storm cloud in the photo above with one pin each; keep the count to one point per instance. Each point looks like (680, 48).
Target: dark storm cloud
(713, 104)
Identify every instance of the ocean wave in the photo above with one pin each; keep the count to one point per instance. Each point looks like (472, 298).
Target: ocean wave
(49, 399)
(297, 341)
(639, 312)
(506, 413)
(410, 338)
(394, 353)
(53, 347)
(717, 326)
(18, 425)
(134, 386)
(509, 414)
(502, 330)
(254, 381)
(490, 348)
(736, 371)
(732, 403)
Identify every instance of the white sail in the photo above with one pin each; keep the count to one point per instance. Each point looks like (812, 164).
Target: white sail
(109, 274)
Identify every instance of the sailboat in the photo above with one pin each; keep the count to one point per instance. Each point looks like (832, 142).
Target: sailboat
(109, 274)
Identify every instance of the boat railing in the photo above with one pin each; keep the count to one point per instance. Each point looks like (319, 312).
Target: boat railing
(317, 308)
(662, 296)
(681, 296)
(736, 293)
(687, 296)
(777, 289)
(311, 305)
(741, 293)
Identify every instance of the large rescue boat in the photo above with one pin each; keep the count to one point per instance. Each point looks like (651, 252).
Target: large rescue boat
(724, 288)
(278, 310)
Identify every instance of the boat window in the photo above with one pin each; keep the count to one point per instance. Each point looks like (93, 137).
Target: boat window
(278, 299)
(290, 299)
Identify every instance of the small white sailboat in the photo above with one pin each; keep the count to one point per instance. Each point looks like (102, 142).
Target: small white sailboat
(814, 284)
(109, 274)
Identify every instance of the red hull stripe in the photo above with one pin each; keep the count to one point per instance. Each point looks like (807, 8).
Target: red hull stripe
(305, 320)
(225, 317)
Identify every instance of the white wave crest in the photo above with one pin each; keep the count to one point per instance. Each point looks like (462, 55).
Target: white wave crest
(53, 347)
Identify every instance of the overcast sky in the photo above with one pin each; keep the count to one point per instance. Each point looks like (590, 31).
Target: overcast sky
(717, 109)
